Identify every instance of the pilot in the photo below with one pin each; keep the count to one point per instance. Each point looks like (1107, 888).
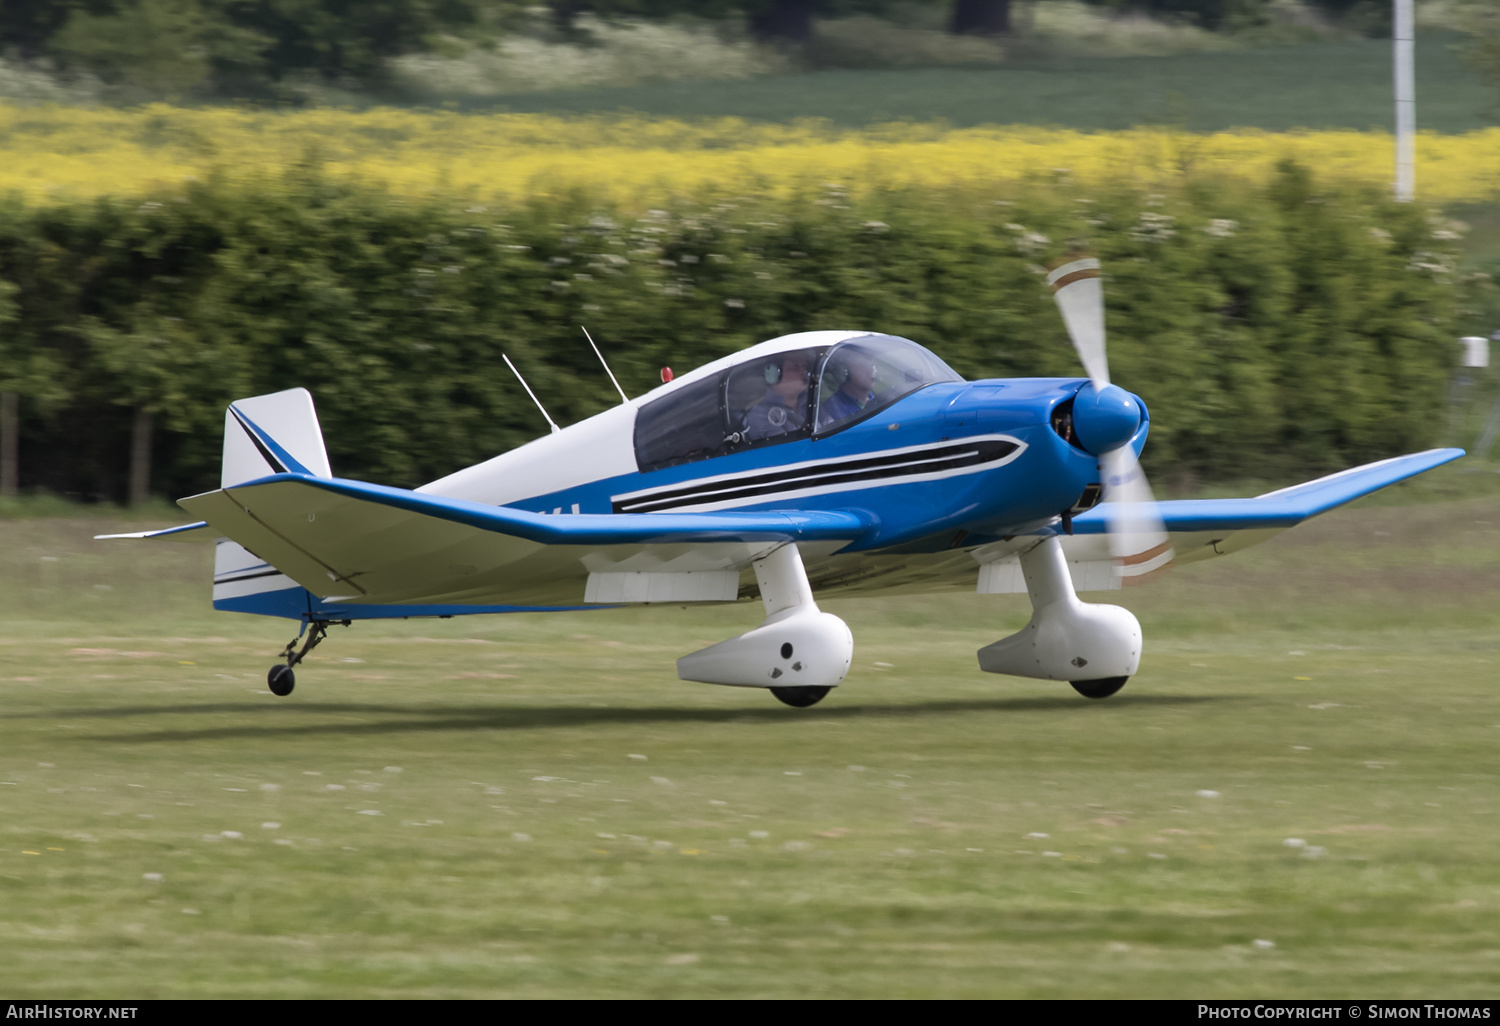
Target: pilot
(856, 368)
(784, 406)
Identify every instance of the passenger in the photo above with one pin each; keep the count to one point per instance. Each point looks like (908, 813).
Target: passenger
(784, 406)
(857, 368)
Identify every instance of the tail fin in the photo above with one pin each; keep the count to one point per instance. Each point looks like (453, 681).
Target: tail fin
(265, 435)
(273, 434)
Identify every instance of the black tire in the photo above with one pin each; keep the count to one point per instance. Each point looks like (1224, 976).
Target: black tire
(802, 697)
(1102, 688)
(281, 680)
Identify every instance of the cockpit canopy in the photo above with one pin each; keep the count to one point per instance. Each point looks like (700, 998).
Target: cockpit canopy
(782, 396)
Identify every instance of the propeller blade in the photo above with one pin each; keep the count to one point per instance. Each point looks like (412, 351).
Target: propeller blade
(1138, 538)
(1080, 298)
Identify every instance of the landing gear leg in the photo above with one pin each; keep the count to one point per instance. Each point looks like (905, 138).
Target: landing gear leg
(281, 679)
(799, 652)
(1094, 647)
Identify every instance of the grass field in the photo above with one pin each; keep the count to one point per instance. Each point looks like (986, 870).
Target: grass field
(1333, 84)
(1295, 797)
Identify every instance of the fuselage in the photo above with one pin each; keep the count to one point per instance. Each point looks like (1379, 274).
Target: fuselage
(949, 465)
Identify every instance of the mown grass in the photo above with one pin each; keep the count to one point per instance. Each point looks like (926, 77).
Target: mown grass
(1330, 84)
(461, 808)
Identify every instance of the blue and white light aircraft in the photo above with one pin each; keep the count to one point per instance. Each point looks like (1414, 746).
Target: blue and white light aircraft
(825, 461)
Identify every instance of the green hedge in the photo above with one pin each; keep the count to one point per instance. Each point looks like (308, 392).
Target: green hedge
(1293, 328)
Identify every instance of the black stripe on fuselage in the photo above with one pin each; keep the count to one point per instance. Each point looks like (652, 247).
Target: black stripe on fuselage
(958, 456)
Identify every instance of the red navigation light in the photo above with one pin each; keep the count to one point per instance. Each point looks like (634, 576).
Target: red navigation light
(666, 375)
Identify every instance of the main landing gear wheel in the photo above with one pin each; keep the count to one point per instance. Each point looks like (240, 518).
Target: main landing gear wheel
(801, 697)
(281, 680)
(1098, 688)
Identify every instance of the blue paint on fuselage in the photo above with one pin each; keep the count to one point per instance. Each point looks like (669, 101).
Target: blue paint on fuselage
(1048, 476)
(297, 603)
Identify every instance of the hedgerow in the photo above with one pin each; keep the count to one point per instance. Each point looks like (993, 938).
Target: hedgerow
(1297, 325)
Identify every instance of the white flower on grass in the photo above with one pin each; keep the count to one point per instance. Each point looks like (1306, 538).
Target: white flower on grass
(760, 835)
(520, 837)
(1208, 794)
(1153, 227)
(152, 877)
(393, 769)
(270, 824)
(638, 758)
(661, 780)
(1294, 842)
(795, 846)
(370, 812)
(1155, 855)
(232, 835)
(1264, 945)
(1052, 854)
(663, 845)
(270, 788)
(1037, 836)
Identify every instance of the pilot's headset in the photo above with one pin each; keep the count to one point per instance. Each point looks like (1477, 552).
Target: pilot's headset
(773, 373)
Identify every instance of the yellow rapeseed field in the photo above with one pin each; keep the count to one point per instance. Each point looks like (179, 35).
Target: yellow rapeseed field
(56, 153)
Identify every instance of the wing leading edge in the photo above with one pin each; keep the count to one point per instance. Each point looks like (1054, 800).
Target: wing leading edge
(1204, 528)
(359, 543)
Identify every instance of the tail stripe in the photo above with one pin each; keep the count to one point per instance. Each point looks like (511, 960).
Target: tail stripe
(281, 461)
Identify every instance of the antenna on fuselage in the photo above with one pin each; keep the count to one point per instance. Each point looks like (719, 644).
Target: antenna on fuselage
(623, 397)
(550, 422)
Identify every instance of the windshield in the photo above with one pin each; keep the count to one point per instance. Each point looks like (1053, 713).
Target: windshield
(867, 374)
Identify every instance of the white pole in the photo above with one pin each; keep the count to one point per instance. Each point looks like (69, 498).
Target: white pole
(1403, 35)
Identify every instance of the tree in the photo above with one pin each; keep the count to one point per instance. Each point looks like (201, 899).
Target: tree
(177, 44)
(26, 26)
(153, 44)
(1482, 49)
(152, 367)
(10, 420)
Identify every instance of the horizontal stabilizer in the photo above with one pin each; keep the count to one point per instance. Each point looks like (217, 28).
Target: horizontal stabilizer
(182, 532)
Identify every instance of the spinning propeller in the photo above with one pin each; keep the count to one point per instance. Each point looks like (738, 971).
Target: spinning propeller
(1105, 418)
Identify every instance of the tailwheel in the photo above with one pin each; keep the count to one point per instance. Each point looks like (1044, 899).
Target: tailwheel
(1102, 688)
(801, 697)
(281, 680)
